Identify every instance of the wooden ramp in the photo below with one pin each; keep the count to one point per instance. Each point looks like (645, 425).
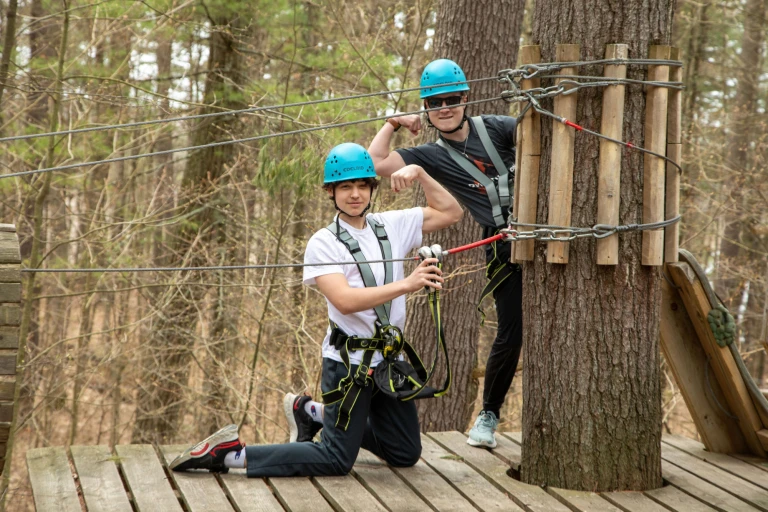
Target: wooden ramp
(451, 476)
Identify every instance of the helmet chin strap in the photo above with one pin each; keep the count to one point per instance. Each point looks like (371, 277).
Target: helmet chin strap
(461, 125)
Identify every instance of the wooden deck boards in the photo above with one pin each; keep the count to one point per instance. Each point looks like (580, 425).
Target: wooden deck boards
(450, 477)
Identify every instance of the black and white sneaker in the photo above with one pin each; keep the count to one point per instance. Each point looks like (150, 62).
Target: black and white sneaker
(209, 454)
(303, 427)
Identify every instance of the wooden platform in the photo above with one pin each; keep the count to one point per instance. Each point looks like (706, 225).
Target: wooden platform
(451, 476)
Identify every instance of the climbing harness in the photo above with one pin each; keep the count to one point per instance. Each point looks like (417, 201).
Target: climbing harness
(393, 376)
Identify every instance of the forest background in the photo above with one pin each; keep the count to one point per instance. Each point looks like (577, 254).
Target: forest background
(167, 356)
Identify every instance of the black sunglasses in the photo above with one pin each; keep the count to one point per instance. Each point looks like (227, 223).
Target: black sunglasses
(450, 101)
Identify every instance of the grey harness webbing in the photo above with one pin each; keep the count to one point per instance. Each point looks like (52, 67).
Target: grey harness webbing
(499, 197)
(382, 311)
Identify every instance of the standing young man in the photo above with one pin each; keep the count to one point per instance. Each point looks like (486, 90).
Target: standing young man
(474, 159)
(358, 296)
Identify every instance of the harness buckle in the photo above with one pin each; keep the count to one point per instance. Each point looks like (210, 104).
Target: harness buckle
(361, 375)
(392, 338)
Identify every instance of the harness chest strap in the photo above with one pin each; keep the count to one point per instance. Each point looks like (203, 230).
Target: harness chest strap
(498, 196)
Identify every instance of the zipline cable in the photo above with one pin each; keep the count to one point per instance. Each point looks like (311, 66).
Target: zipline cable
(249, 110)
(225, 142)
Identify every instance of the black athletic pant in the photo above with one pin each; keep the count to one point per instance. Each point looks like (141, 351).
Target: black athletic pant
(505, 352)
(386, 426)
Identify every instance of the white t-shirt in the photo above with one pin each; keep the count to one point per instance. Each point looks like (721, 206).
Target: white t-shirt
(404, 232)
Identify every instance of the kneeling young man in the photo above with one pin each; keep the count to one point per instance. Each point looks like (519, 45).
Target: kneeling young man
(384, 425)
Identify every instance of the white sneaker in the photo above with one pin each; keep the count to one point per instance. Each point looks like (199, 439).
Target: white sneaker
(484, 431)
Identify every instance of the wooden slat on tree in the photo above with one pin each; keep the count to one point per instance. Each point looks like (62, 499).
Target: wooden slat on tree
(347, 494)
(675, 499)
(199, 489)
(653, 167)
(722, 363)
(433, 489)
(582, 501)
(530, 497)
(750, 493)
(51, 479)
(633, 502)
(727, 463)
(146, 478)
(100, 482)
(527, 188)
(380, 481)
(249, 494)
(609, 173)
(688, 362)
(466, 480)
(299, 494)
(561, 169)
(674, 153)
(704, 491)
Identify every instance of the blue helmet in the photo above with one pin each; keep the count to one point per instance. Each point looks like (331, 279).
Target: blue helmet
(442, 71)
(348, 161)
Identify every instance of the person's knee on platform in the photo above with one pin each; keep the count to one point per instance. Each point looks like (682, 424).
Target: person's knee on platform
(407, 458)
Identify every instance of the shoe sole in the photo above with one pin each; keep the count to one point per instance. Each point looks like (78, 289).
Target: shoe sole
(288, 410)
(472, 442)
(222, 435)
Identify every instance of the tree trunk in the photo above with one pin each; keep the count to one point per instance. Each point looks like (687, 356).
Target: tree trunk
(591, 379)
(482, 37)
(160, 401)
(9, 45)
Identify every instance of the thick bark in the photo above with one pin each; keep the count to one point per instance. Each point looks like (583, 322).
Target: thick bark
(591, 381)
(9, 44)
(482, 37)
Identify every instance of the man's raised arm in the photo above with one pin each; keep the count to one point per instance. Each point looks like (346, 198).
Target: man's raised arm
(385, 161)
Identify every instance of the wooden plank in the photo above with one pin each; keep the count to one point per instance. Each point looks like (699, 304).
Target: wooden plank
(249, 494)
(10, 292)
(653, 167)
(9, 248)
(10, 273)
(762, 436)
(609, 173)
(8, 228)
(724, 367)
(297, 494)
(529, 497)
(688, 362)
(701, 490)
(633, 502)
(7, 364)
(528, 186)
(755, 461)
(385, 485)
(519, 136)
(517, 437)
(200, 490)
(581, 501)
(464, 479)
(52, 483)
(742, 489)
(10, 314)
(675, 499)
(7, 387)
(9, 337)
(561, 167)
(508, 451)
(347, 494)
(5, 428)
(100, 482)
(674, 153)
(6, 412)
(433, 489)
(146, 478)
(727, 463)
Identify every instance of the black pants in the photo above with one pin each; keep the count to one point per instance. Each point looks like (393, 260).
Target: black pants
(505, 352)
(386, 426)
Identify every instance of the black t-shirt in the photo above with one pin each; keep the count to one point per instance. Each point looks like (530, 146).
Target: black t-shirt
(439, 164)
